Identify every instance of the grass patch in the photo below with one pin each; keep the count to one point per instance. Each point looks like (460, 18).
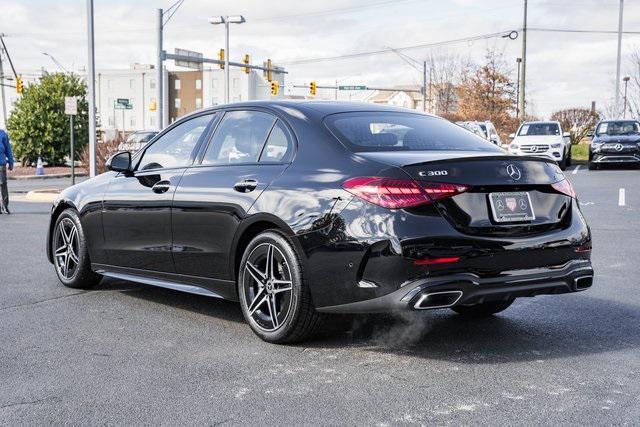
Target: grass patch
(580, 152)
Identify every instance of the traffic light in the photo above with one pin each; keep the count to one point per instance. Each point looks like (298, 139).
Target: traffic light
(313, 88)
(269, 74)
(19, 85)
(247, 60)
(153, 106)
(274, 88)
(221, 58)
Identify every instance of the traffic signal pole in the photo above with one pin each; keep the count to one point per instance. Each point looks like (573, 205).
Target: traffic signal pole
(159, 74)
(4, 105)
(91, 83)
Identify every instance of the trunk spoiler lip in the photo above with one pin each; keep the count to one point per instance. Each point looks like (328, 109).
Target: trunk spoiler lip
(505, 158)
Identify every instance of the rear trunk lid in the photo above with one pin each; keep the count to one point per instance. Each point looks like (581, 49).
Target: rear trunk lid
(496, 183)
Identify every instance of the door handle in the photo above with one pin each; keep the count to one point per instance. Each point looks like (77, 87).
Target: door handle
(246, 185)
(161, 187)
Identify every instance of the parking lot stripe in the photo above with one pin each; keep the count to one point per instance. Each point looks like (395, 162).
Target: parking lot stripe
(575, 171)
(621, 197)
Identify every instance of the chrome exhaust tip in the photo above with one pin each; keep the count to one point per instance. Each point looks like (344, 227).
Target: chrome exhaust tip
(583, 282)
(433, 300)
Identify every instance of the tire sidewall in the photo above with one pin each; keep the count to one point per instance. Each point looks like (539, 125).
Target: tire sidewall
(287, 249)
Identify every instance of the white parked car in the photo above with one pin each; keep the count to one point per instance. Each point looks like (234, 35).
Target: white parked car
(542, 139)
(137, 140)
(484, 129)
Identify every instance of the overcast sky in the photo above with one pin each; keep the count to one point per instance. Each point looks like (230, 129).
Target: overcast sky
(564, 69)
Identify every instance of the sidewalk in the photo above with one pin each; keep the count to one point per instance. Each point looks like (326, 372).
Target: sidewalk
(36, 190)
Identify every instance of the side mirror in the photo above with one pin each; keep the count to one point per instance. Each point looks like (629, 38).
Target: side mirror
(119, 162)
(566, 135)
(512, 135)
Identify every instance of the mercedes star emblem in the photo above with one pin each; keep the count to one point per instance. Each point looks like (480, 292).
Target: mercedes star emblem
(514, 172)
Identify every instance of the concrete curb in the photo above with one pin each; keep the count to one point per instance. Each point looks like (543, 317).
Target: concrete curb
(53, 175)
(42, 195)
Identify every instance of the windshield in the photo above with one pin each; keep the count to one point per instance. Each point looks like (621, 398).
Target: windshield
(618, 128)
(539, 129)
(381, 131)
(483, 127)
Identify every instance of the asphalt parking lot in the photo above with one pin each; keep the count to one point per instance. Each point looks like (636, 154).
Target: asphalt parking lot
(130, 354)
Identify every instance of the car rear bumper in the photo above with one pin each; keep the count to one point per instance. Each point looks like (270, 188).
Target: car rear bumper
(469, 289)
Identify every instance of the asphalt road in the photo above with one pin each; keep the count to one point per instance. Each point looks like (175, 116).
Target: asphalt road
(130, 354)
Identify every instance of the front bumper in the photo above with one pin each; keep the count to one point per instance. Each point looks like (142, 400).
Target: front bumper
(616, 158)
(552, 154)
(469, 289)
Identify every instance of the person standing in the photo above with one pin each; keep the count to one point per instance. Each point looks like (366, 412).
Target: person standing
(6, 161)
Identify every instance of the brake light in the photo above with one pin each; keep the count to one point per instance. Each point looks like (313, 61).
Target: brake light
(564, 187)
(433, 261)
(400, 193)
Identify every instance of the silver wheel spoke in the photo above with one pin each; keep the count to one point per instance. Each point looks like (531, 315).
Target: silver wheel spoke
(65, 267)
(271, 300)
(257, 275)
(62, 250)
(258, 301)
(72, 235)
(73, 256)
(63, 233)
(281, 286)
(269, 269)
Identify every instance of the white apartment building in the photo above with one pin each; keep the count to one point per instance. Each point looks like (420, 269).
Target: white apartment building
(138, 85)
(243, 86)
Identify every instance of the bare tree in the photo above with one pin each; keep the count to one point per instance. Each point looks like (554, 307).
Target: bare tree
(445, 74)
(633, 92)
(488, 93)
(577, 121)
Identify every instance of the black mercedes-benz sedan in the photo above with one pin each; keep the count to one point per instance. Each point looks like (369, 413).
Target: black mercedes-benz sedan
(615, 142)
(299, 210)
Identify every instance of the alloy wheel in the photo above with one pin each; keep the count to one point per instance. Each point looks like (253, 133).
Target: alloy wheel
(267, 287)
(66, 248)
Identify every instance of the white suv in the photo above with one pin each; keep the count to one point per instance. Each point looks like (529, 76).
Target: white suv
(544, 139)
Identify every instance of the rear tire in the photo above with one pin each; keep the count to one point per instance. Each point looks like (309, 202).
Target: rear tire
(70, 255)
(276, 301)
(484, 309)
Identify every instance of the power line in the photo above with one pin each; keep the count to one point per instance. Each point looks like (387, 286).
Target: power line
(396, 50)
(568, 30)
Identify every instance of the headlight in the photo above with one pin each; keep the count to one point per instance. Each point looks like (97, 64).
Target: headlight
(596, 147)
(556, 145)
(514, 146)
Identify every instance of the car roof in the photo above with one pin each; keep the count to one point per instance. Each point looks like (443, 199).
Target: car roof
(316, 108)
(540, 122)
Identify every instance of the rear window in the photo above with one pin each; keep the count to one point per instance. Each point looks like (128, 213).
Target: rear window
(374, 131)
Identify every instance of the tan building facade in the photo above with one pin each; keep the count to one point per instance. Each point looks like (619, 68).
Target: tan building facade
(185, 93)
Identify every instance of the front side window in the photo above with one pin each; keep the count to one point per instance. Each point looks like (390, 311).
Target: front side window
(378, 131)
(539, 129)
(239, 138)
(174, 148)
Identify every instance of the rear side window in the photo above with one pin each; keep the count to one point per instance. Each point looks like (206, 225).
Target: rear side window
(380, 131)
(239, 138)
(279, 147)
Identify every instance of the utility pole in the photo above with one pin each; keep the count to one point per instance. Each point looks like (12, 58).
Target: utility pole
(624, 105)
(160, 75)
(617, 98)
(424, 86)
(91, 83)
(519, 62)
(227, 72)
(336, 91)
(521, 101)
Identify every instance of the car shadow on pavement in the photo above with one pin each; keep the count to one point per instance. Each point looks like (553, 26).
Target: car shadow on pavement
(208, 306)
(559, 327)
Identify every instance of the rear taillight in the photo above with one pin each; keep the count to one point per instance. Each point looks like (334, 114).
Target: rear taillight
(400, 193)
(564, 187)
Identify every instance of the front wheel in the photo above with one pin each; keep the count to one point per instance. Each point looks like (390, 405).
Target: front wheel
(569, 157)
(592, 166)
(563, 163)
(70, 255)
(484, 309)
(275, 299)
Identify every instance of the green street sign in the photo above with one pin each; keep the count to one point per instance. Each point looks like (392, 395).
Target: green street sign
(352, 87)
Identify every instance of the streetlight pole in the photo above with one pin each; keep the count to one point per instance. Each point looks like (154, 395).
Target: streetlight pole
(226, 20)
(619, 59)
(4, 105)
(521, 100)
(624, 107)
(91, 86)
(424, 86)
(159, 74)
